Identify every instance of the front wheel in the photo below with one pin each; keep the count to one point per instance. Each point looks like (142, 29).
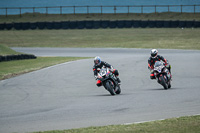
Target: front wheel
(110, 87)
(163, 82)
(169, 84)
(118, 90)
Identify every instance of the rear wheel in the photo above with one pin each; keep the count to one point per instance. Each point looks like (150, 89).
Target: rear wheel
(110, 87)
(163, 83)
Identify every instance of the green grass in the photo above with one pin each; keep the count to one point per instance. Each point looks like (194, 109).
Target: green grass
(13, 68)
(170, 38)
(10, 69)
(37, 17)
(175, 125)
(4, 50)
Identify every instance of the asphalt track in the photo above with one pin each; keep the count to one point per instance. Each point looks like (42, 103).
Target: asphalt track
(65, 96)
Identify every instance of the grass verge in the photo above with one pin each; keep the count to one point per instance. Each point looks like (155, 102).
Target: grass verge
(4, 50)
(38, 17)
(10, 69)
(13, 68)
(167, 38)
(189, 124)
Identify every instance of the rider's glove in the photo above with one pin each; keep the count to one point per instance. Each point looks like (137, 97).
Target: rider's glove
(167, 64)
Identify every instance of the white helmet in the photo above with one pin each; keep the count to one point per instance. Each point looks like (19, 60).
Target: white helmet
(97, 60)
(154, 53)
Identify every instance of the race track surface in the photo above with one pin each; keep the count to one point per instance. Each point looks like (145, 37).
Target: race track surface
(65, 96)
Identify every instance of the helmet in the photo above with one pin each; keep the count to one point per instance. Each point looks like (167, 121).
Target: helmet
(154, 53)
(97, 60)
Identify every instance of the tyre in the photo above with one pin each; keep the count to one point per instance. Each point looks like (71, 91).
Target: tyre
(163, 83)
(110, 87)
(169, 85)
(118, 90)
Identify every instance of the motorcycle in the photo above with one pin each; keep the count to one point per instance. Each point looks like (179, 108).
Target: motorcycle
(162, 74)
(109, 81)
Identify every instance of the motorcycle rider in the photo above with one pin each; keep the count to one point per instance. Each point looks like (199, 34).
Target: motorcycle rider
(153, 58)
(98, 64)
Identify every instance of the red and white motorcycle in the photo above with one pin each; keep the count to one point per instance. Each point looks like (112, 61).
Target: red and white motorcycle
(109, 81)
(162, 74)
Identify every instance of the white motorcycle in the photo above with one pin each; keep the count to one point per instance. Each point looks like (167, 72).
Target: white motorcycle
(109, 81)
(162, 74)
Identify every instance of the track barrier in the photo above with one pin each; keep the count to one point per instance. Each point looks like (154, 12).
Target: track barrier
(121, 24)
(105, 24)
(41, 25)
(112, 24)
(33, 26)
(64, 25)
(143, 24)
(196, 24)
(89, 24)
(73, 25)
(81, 24)
(128, 24)
(16, 57)
(159, 24)
(152, 24)
(25, 26)
(97, 24)
(100, 24)
(136, 24)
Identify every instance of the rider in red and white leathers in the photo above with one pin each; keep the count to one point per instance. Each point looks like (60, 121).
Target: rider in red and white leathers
(153, 58)
(98, 64)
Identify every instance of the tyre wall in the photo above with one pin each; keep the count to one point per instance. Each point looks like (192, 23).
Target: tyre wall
(100, 24)
(16, 57)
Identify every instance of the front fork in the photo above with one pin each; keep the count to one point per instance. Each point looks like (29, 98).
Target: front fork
(115, 83)
(168, 74)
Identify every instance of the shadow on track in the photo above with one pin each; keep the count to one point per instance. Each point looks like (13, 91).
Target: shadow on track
(160, 89)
